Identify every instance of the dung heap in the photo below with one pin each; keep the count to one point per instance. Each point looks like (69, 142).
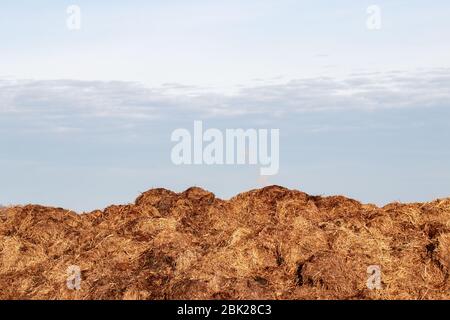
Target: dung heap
(271, 243)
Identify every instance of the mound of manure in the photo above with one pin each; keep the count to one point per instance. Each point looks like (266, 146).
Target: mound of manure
(271, 243)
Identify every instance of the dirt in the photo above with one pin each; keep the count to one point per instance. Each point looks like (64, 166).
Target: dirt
(271, 243)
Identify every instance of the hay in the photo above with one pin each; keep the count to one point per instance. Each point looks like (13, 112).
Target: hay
(271, 243)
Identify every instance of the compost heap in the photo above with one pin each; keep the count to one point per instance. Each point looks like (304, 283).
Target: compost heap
(271, 243)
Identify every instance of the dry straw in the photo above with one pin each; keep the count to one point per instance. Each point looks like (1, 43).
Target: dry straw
(271, 243)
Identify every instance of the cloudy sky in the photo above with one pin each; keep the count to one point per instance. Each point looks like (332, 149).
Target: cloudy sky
(86, 115)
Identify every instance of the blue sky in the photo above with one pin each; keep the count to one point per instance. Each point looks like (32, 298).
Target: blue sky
(86, 116)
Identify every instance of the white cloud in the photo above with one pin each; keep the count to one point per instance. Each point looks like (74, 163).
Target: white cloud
(88, 100)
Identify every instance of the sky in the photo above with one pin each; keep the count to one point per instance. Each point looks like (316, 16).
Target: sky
(86, 115)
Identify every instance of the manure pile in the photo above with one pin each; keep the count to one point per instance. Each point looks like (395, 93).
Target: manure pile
(271, 243)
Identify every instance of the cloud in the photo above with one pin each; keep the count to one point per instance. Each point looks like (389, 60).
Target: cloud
(71, 100)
